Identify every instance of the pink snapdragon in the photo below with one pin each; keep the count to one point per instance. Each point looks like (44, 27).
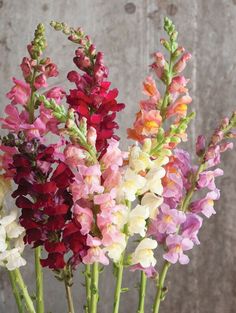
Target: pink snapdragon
(159, 65)
(95, 253)
(176, 245)
(87, 181)
(181, 64)
(84, 216)
(20, 92)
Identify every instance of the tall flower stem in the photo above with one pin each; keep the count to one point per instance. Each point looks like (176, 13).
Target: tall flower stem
(16, 292)
(39, 281)
(69, 298)
(142, 293)
(20, 282)
(88, 286)
(160, 285)
(118, 288)
(94, 288)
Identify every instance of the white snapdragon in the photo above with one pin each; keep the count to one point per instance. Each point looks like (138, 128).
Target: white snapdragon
(153, 202)
(132, 183)
(137, 220)
(12, 259)
(144, 254)
(139, 160)
(115, 250)
(153, 180)
(11, 231)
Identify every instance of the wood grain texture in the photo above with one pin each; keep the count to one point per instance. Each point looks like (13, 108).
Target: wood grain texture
(128, 32)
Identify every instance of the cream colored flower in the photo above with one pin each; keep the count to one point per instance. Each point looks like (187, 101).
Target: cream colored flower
(131, 184)
(115, 250)
(152, 202)
(11, 259)
(137, 220)
(3, 244)
(12, 228)
(153, 180)
(139, 160)
(143, 254)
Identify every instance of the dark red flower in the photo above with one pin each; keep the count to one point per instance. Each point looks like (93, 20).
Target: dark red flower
(45, 203)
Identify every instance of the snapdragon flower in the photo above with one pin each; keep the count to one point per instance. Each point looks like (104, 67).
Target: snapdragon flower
(11, 242)
(143, 253)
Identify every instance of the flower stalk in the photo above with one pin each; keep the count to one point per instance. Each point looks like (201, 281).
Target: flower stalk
(118, 288)
(20, 282)
(160, 294)
(16, 292)
(94, 288)
(142, 292)
(39, 281)
(69, 298)
(88, 286)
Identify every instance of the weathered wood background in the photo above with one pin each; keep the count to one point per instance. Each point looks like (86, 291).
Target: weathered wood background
(128, 32)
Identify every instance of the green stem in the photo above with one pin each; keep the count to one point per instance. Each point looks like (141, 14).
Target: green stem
(159, 293)
(39, 281)
(94, 288)
(20, 282)
(165, 101)
(142, 293)
(15, 291)
(118, 288)
(88, 286)
(69, 298)
(31, 101)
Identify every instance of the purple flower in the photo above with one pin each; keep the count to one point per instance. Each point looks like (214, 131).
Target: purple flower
(183, 161)
(191, 227)
(206, 205)
(207, 179)
(176, 245)
(173, 186)
(169, 219)
(154, 232)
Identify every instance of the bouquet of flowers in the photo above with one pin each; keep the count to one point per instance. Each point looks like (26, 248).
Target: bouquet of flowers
(80, 200)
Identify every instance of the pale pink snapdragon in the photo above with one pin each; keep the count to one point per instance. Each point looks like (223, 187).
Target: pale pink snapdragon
(95, 253)
(74, 156)
(84, 216)
(87, 181)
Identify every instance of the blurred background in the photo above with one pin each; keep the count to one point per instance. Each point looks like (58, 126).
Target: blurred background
(128, 33)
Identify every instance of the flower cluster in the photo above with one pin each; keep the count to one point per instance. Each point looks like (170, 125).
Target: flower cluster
(11, 233)
(92, 98)
(95, 208)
